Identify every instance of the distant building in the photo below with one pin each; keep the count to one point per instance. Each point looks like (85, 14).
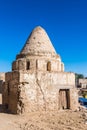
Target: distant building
(82, 83)
(38, 81)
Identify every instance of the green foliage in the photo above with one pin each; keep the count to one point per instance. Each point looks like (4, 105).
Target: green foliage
(79, 76)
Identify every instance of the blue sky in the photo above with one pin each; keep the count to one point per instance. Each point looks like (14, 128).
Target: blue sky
(64, 20)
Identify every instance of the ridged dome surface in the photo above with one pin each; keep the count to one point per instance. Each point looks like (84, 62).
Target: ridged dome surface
(38, 43)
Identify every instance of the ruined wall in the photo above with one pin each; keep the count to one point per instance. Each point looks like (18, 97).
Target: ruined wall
(2, 79)
(33, 90)
(40, 91)
(10, 94)
(38, 63)
(2, 76)
(73, 99)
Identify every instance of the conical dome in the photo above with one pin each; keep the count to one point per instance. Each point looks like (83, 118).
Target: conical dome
(38, 43)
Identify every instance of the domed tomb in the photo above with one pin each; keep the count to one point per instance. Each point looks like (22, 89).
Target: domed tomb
(38, 81)
(37, 53)
(38, 43)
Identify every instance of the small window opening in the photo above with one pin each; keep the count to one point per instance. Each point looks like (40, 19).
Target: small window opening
(28, 65)
(49, 66)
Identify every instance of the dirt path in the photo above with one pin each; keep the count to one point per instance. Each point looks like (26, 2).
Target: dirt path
(63, 120)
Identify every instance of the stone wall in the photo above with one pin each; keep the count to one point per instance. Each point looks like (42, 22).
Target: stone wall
(38, 63)
(74, 99)
(40, 91)
(82, 83)
(10, 93)
(27, 91)
(2, 79)
(2, 76)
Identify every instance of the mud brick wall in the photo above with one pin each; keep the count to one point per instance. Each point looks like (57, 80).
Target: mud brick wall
(10, 95)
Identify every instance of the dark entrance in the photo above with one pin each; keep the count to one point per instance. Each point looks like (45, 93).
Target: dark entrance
(64, 99)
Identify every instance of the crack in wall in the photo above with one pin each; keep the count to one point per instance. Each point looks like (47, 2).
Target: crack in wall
(37, 81)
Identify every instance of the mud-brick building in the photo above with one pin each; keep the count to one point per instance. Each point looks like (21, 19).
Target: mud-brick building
(82, 83)
(38, 81)
(2, 80)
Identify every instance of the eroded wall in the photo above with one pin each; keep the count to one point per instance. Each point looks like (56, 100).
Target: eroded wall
(2, 80)
(38, 63)
(40, 91)
(10, 91)
(27, 91)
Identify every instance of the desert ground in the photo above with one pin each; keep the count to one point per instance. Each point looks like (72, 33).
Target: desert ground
(61, 120)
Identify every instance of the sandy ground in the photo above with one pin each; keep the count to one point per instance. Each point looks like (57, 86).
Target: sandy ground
(62, 120)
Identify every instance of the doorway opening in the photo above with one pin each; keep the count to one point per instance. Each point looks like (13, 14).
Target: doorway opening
(64, 99)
